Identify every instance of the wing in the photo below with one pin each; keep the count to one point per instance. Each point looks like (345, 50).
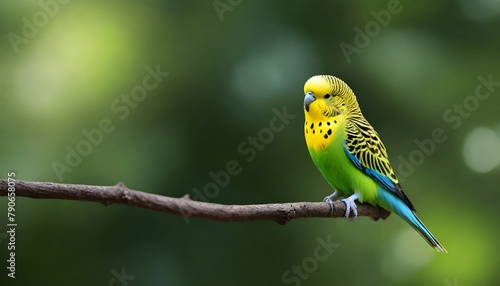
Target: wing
(365, 149)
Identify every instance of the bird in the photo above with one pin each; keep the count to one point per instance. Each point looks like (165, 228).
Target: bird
(350, 154)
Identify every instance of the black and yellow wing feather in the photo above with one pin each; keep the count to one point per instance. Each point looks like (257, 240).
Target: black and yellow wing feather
(365, 149)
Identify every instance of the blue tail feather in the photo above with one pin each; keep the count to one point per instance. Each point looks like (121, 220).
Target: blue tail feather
(402, 209)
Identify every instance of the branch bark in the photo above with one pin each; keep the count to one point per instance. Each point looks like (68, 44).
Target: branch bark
(120, 194)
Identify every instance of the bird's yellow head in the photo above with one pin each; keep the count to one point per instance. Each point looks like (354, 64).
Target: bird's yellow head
(326, 95)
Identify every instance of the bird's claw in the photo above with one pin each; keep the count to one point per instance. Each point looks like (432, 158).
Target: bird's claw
(350, 205)
(329, 201)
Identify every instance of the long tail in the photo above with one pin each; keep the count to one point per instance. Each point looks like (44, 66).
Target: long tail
(402, 209)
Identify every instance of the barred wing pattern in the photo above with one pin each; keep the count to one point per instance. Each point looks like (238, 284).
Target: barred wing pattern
(365, 149)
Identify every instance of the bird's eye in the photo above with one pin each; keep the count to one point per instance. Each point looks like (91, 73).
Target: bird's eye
(327, 96)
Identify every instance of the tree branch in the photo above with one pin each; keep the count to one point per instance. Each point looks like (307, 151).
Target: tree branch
(120, 194)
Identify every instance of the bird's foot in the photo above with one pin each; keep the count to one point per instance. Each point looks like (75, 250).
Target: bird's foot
(329, 199)
(350, 205)
(330, 203)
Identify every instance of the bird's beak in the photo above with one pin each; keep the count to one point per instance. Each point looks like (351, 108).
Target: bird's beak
(308, 100)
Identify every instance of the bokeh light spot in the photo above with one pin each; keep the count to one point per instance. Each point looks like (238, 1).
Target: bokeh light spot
(480, 10)
(268, 72)
(406, 255)
(481, 150)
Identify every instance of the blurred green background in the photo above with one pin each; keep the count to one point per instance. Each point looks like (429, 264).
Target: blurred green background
(414, 65)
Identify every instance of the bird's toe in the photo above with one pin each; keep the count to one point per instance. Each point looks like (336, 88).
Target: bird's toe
(329, 201)
(350, 205)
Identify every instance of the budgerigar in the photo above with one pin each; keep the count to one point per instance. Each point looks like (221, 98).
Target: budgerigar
(350, 155)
